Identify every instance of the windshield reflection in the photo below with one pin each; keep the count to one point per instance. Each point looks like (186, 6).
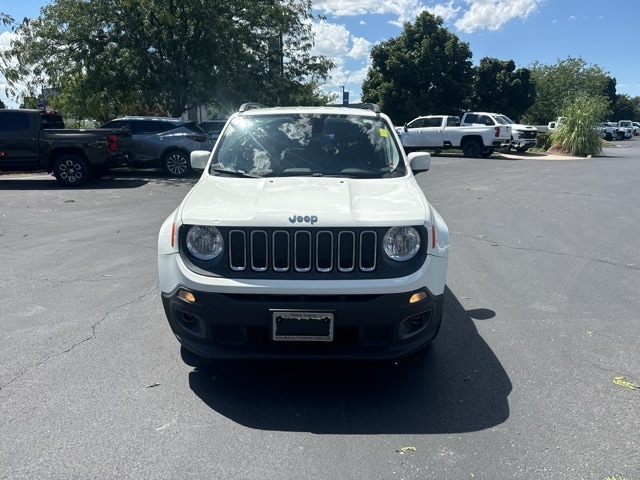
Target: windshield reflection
(304, 144)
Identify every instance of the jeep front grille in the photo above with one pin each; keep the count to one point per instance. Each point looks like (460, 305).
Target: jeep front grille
(302, 250)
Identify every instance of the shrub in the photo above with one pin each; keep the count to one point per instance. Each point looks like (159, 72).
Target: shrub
(578, 134)
(543, 141)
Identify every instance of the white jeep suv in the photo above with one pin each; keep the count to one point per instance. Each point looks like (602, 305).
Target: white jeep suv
(308, 237)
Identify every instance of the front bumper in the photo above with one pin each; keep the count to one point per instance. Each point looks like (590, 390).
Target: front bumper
(366, 327)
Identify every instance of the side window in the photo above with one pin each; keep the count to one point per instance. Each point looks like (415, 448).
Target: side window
(485, 120)
(116, 124)
(51, 120)
(14, 121)
(151, 126)
(453, 122)
(433, 122)
(471, 118)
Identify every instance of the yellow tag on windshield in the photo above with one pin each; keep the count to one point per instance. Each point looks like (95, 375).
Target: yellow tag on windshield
(384, 132)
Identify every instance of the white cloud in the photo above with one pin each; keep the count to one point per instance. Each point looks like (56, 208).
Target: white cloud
(446, 11)
(403, 10)
(360, 49)
(331, 40)
(493, 14)
(337, 43)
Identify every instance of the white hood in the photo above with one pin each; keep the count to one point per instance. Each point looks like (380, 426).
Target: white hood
(309, 201)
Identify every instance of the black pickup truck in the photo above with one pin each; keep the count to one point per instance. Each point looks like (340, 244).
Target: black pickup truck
(37, 140)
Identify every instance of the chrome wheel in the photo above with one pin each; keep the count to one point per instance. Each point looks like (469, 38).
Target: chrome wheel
(176, 164)
(71, 170)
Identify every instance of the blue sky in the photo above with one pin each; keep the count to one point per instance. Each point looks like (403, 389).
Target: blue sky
(524, 31)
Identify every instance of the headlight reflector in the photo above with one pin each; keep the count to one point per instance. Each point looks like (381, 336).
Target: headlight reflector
(204, 243)
(401, 243)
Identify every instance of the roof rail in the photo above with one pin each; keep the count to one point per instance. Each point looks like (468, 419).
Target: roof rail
(371, 106)
(250, 106)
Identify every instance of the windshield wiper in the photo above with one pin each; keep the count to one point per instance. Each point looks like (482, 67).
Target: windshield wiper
(235, 173)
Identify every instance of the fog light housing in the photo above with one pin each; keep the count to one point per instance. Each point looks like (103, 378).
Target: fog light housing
(187, 296)
(418, 297)
(413, 325)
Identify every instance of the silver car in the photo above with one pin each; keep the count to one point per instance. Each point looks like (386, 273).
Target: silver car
(163, 142)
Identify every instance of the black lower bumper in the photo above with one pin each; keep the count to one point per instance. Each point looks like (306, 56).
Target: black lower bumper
(117, 161)
(365, 327)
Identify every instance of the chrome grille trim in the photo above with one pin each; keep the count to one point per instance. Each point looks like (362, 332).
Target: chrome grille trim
(259, 251)
(346, 251)
(237, 248)
(367, 263)
(280, 251)
(302, 251)
(324, 251)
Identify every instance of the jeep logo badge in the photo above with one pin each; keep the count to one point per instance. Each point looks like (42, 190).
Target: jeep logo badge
(312, 219)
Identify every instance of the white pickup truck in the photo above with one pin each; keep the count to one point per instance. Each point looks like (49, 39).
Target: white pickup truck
(441, 132)
(523, 136)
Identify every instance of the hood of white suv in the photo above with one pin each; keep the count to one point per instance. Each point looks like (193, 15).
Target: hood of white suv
(304, 201)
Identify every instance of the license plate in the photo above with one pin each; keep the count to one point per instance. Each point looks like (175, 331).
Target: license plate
(302, 326)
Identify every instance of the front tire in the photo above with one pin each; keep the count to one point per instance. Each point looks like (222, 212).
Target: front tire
(487, 152)
(71, 170)
(176, 163)
(472, 149)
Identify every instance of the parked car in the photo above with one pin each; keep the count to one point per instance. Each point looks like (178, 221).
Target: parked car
(609, 130)
(625, 130)
(441, 132)
(523, 136)
(636, 128)
(213, 127)
(307, 236)
(163, 142)
(38, 140)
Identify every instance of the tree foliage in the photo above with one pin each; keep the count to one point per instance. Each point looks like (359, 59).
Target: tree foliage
(559, 85)
(626, 108)
(425, 70)
(124, 56)
(499, 87)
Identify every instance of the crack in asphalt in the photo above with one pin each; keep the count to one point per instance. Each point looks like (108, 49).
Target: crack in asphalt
(84, 340)
(495, 243)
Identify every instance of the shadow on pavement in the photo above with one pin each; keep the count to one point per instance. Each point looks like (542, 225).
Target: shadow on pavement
(457, 385)
(115, 179)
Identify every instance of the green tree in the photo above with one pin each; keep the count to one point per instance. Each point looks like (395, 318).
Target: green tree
(578, 134)
(499, 87)
(110, 56)
(626, 108)
(427, 69)
(564, 82)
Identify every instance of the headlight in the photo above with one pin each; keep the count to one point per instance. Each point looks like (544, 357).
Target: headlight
(204, 243)
(401, 243)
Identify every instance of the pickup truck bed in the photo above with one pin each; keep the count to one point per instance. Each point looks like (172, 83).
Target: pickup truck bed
(37, 140)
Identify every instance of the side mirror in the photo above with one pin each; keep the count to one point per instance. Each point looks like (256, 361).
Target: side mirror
(419, 161)
(199, 159)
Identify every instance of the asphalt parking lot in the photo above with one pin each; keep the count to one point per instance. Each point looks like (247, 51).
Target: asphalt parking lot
(532, 376)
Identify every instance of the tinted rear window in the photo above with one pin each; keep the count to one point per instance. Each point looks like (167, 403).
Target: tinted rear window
(14, 121)
(52, 120)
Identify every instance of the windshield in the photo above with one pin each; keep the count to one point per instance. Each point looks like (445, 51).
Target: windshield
(308, 144)
(504, 120)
